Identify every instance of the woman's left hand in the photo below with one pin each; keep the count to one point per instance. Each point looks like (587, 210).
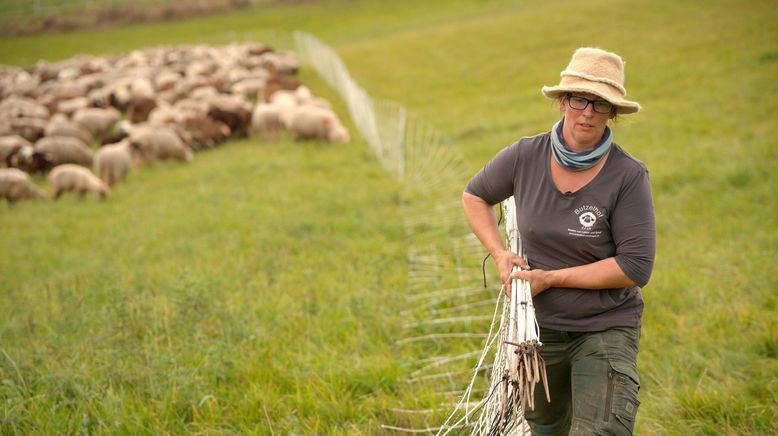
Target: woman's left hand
(539, 280)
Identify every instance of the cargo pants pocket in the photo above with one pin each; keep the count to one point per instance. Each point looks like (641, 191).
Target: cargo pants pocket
(624, 402)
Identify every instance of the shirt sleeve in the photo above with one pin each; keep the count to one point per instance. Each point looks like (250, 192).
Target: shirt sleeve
(634, 228)
(494, 183)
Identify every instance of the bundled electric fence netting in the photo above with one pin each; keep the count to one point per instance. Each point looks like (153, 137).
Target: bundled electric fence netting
(517, 367)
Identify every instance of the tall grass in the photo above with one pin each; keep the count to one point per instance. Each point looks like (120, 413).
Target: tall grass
(259, 288)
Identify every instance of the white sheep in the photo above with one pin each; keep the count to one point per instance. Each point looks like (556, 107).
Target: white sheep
(285, 103)
(97, 120)
(64, 149)
(22, 107)
(69, 106)
(317, 123)
(141, 88)
(28, 127)
(113, 162)
(16, 185)
(250, 87)
(159, 142)
(266, 120)
(75, 178)
(60, 125)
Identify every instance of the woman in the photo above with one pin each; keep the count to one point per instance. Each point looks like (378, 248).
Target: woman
(586, 219)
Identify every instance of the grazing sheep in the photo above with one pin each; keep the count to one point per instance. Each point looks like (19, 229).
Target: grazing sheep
(16, 185)
(202, 132)
(65, 149)
(231, 110)
(278, 82)
(317, 123)
(158, 142)
(266, 119)
(70, 106)
(141, 88)
(166, 80)
(283, 63)
(140, 108)
(11, 144)
(248, 87)
(60, 125)
(66, 90)
(114, 161)
(164, 115)
(16, 81)
(113, 138)
(22, 107)
(29, 160)
(97, 120)
(28, 127)
(75, 178)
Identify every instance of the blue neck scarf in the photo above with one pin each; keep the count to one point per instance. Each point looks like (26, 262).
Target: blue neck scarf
(578, 160)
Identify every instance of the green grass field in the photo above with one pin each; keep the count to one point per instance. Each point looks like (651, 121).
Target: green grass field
(259, 289)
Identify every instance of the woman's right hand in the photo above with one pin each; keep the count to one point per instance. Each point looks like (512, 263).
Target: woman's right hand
(505, 261)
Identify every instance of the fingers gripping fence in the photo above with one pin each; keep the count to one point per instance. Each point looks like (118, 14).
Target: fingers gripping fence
(445, 295)
(517, 366)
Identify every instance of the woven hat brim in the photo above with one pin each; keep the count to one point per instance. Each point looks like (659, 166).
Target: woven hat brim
(600, 89)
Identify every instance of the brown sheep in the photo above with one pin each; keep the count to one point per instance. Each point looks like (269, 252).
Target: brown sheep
(139, 109)
(203, 132)
(278, 82)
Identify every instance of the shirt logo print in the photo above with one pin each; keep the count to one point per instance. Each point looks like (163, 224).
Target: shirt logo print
(587, 219)
(587, 216)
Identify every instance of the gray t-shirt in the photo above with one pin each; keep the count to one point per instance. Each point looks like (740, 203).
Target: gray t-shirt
(612, 216)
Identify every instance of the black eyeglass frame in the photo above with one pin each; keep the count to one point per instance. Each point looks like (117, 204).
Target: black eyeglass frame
(588, 102)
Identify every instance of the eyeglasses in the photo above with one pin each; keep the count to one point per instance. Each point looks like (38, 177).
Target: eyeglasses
(580, 104)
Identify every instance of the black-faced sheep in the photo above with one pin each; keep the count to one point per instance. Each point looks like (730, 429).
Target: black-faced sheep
(75, 178)
(11, 144)
(65, 149)
(15, 185)
(29, 160)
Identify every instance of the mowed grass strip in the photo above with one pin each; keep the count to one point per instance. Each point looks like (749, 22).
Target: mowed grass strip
(708, 362)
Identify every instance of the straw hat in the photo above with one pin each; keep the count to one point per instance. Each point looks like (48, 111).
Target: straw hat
(598, 72)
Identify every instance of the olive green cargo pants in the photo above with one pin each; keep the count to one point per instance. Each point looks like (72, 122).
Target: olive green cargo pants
(592, 377)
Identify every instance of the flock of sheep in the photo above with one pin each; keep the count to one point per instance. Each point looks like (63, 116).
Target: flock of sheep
(161, 103)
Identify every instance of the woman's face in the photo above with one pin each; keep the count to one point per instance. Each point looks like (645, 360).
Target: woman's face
(583, 129)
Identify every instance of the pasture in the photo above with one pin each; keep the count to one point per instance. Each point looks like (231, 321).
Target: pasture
(259, 289)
